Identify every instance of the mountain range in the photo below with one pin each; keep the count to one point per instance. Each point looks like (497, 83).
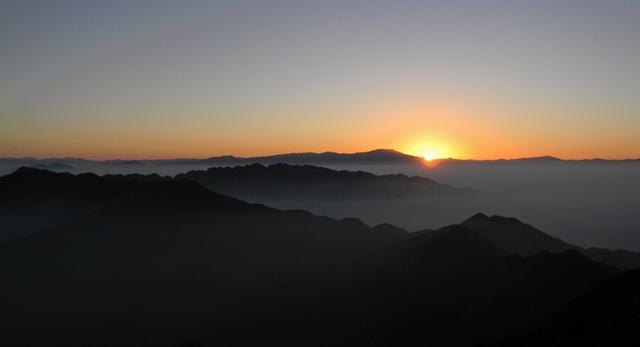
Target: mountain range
(311, 182)
(332, 159)
(141, 260)
(32, 198)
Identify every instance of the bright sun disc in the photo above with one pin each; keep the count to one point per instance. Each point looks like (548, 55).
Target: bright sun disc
(430, 152)
(430, 155)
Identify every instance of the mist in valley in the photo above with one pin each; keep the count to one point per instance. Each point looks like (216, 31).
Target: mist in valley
(584, 203)
(591, 204)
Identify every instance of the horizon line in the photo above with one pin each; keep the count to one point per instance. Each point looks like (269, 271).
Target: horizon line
(546, 156)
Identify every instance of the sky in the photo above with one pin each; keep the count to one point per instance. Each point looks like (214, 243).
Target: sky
(465, 79)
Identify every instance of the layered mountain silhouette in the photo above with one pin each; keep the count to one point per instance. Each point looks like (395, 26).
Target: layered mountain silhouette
(311, 182)
(380, 156)
(143, 260)
(377, 156)
(53, 166)
(171, 251)
(453, 288)
(32, 198)
(515, 237)
(388, 157)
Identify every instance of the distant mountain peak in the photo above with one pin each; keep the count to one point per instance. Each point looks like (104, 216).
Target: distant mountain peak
(31, 173)
(26, 170)
(387, 150)
(538, 158)
(514, 236)
(477, 217)
(495, 219)
(388, 228)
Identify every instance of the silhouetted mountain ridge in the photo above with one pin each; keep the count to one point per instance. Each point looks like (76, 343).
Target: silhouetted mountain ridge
(284, 181)
(32, 192)
(156, 261)
(515, 237)
(541, 160)
(377, 156)
(32, 198)
(451, 287)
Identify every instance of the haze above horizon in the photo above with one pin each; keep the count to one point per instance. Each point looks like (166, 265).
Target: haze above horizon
(464, 79)
(373, 151)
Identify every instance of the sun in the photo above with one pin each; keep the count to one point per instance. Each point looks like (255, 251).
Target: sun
(430, 151)
(430, 154)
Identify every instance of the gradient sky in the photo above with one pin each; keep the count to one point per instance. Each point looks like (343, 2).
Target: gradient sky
(469, 79)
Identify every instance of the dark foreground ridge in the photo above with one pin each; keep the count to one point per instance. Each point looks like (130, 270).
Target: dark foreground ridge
(142, 261)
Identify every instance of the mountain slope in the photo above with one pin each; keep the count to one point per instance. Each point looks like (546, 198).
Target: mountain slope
(606, 315)
(515, 237)
(159, 262)
(33, 198)
(622, 259)
(451, 288)
(282, 181)
(169, 254)
(184, 263)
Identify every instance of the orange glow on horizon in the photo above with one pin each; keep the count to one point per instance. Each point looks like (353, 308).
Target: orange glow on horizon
(431, 154)
(431, 151)
(427, 124)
